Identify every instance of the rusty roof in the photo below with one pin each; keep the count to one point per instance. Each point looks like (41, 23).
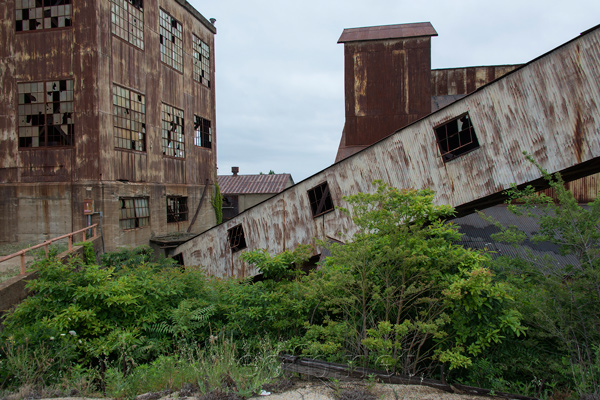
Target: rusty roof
(387, 32)
(254, 184)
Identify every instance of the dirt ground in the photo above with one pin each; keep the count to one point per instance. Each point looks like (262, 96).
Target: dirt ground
(355, 391)
(325, 390)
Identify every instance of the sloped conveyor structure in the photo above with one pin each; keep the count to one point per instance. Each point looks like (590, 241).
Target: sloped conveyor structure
(468, 152)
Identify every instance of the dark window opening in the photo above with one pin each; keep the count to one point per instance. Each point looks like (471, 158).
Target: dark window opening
(456, 137)
(236, 238)
(202, 132)
(177, 209)
(134, 212)
(320, 199)
(230, 207)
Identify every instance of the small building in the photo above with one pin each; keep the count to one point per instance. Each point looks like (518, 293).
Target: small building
(240, 192)
(107, 112)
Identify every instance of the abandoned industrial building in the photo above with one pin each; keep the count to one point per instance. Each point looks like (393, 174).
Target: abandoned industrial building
(460, 132)
(107, 115)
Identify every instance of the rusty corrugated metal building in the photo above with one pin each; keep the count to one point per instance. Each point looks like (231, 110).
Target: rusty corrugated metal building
(240, 192)
(468, 152)
(107, 108)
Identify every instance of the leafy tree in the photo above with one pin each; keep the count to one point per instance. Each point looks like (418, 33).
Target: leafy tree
(407, 293)
(561, 303)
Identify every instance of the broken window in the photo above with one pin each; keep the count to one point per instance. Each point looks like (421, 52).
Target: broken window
(173, 140)
(33, 15)
(127, 21)
(202, 132)
(236, 238)
(177, 209)
(129, 119)
(320, 199)
(134, 212)
(171, 41)
(46, 113)
(201, 55)
(456, 137)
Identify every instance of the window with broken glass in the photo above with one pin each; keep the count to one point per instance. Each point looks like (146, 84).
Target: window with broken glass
(134, 212)
(456, 137)
(173, 139)
(127, 21)
(171, 41)
(35, 15)
(320, 199)
(45, 112)
(236, 238)
(129, 119)
(177, 209)
(201, 55)
(202, 132)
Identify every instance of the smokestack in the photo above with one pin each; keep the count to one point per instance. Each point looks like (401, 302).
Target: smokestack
(235, 170)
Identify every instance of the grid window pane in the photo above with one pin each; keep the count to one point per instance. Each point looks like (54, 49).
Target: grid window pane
(134, 212)
(172, 127)
(171, 41)
(127, 21)
(45, 113)
(129, 119)
(36, 15)
(201, 57)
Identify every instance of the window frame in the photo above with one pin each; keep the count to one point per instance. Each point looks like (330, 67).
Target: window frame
(171, 56)
(446, 152)
(201, 57)
(138, 217)
(41, 14)
(236, 238)
(178, 211)
(130, 20)
(28, 124)
(130, 115)
(320, 199)
(179, 134)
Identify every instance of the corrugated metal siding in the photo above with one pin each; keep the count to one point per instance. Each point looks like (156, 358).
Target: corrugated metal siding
(254, 184)
(550, 108)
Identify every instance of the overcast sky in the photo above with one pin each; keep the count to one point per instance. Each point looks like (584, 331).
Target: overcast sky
(279, 69)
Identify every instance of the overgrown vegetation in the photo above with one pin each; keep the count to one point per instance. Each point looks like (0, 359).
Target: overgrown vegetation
(560, 303)
(400, 295)
(217, 203)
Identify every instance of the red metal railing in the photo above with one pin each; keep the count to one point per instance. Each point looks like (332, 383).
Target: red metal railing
(47, 244)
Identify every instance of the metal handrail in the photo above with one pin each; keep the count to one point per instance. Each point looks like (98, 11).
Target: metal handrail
(47, 243)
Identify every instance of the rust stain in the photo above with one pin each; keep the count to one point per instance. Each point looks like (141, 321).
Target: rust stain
(578, 136)
(360, 84)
